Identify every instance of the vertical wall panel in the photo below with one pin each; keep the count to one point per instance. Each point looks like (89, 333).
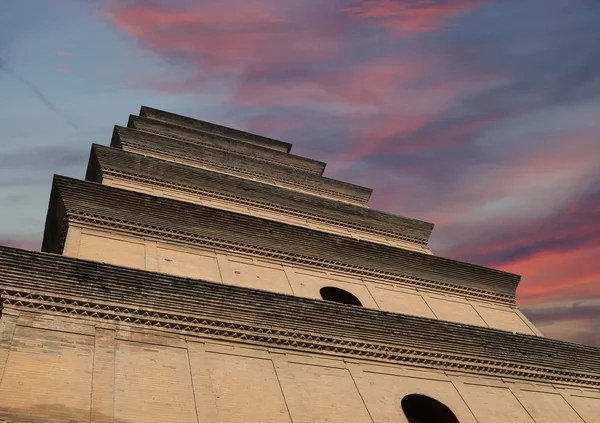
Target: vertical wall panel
(507, 319)
(189, 264)
(547, 407)
(153, 384)
(586, 404)
(454, 311)
(492, 404)
(383, 391)
(236, 387)
(48, 377)
(398, 301)
(129, 252)
(321, 394)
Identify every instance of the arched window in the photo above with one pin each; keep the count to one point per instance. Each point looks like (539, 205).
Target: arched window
(423, 409)
(330, 293)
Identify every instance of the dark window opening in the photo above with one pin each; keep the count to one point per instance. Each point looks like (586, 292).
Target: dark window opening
(423, 409)
(329, 293)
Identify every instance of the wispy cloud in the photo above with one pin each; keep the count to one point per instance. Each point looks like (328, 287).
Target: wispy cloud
(575, 321)
(412, 15)
(4, 67)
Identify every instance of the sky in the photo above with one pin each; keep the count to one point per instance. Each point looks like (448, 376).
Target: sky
(480, 116)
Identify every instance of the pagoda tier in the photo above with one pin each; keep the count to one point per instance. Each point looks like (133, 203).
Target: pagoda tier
(211, 128)
(235, 164)
(69, 289)
(169, 179)
(224, 143)
(90, 203)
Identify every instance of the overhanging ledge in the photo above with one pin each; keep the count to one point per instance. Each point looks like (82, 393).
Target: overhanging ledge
(213, 128)
(53, 284)
(119, 209)
(106, 159)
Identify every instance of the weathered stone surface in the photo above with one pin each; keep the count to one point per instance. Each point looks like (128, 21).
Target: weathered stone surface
(224, 143)
(249, 166)
(70, 196)
(49, 274)
(105, 158)
(212, 128)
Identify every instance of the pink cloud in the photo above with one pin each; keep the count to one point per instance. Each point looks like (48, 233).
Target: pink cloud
(64, 53)
(64, 70)
(354, 88)
(229, 35)
(413, 16)
(21, 243)
(553, 275)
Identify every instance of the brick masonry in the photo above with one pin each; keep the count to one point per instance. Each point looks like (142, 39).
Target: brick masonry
(170, 304)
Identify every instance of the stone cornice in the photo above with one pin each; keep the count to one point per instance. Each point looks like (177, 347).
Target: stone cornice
(245, 167)
(161, 173)
(58, 285)
(89, 220)
(224, 143)
(95, 204)
(212, 128)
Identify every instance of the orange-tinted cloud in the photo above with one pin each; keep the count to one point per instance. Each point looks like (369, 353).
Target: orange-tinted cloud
(557, 254)
(553, 275)
(413, 16)
(64, 53)
(64, 70)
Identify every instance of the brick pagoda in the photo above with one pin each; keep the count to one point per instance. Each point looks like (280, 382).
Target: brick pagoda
(205, 274)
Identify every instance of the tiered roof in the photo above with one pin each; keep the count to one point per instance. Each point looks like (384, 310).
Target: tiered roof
(165, 148)
(175, 152)
(73, 200)
(106, 161)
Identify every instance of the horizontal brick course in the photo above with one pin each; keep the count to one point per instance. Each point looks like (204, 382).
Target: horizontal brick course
(58, 275)
(212, 128)
(102, 158)
(225, 143)
(74, 196)
(123, 137)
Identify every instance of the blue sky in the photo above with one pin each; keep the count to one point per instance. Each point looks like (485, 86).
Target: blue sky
(479, 116)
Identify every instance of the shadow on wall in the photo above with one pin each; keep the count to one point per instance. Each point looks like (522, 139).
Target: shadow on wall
(52, 413)
(423, 409)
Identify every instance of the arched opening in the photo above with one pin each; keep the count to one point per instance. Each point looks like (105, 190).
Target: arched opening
(330, 293)
(423, 409)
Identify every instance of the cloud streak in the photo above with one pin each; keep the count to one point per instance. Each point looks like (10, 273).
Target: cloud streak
(412, 15)
(4, 67)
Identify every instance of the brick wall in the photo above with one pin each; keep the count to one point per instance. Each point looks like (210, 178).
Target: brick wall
(60, 369)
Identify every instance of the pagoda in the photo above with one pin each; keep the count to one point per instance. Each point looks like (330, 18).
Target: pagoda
(204, 274)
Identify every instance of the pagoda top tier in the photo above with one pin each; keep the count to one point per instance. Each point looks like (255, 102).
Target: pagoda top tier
(212, 128)
(222, 142)
(236, 160)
